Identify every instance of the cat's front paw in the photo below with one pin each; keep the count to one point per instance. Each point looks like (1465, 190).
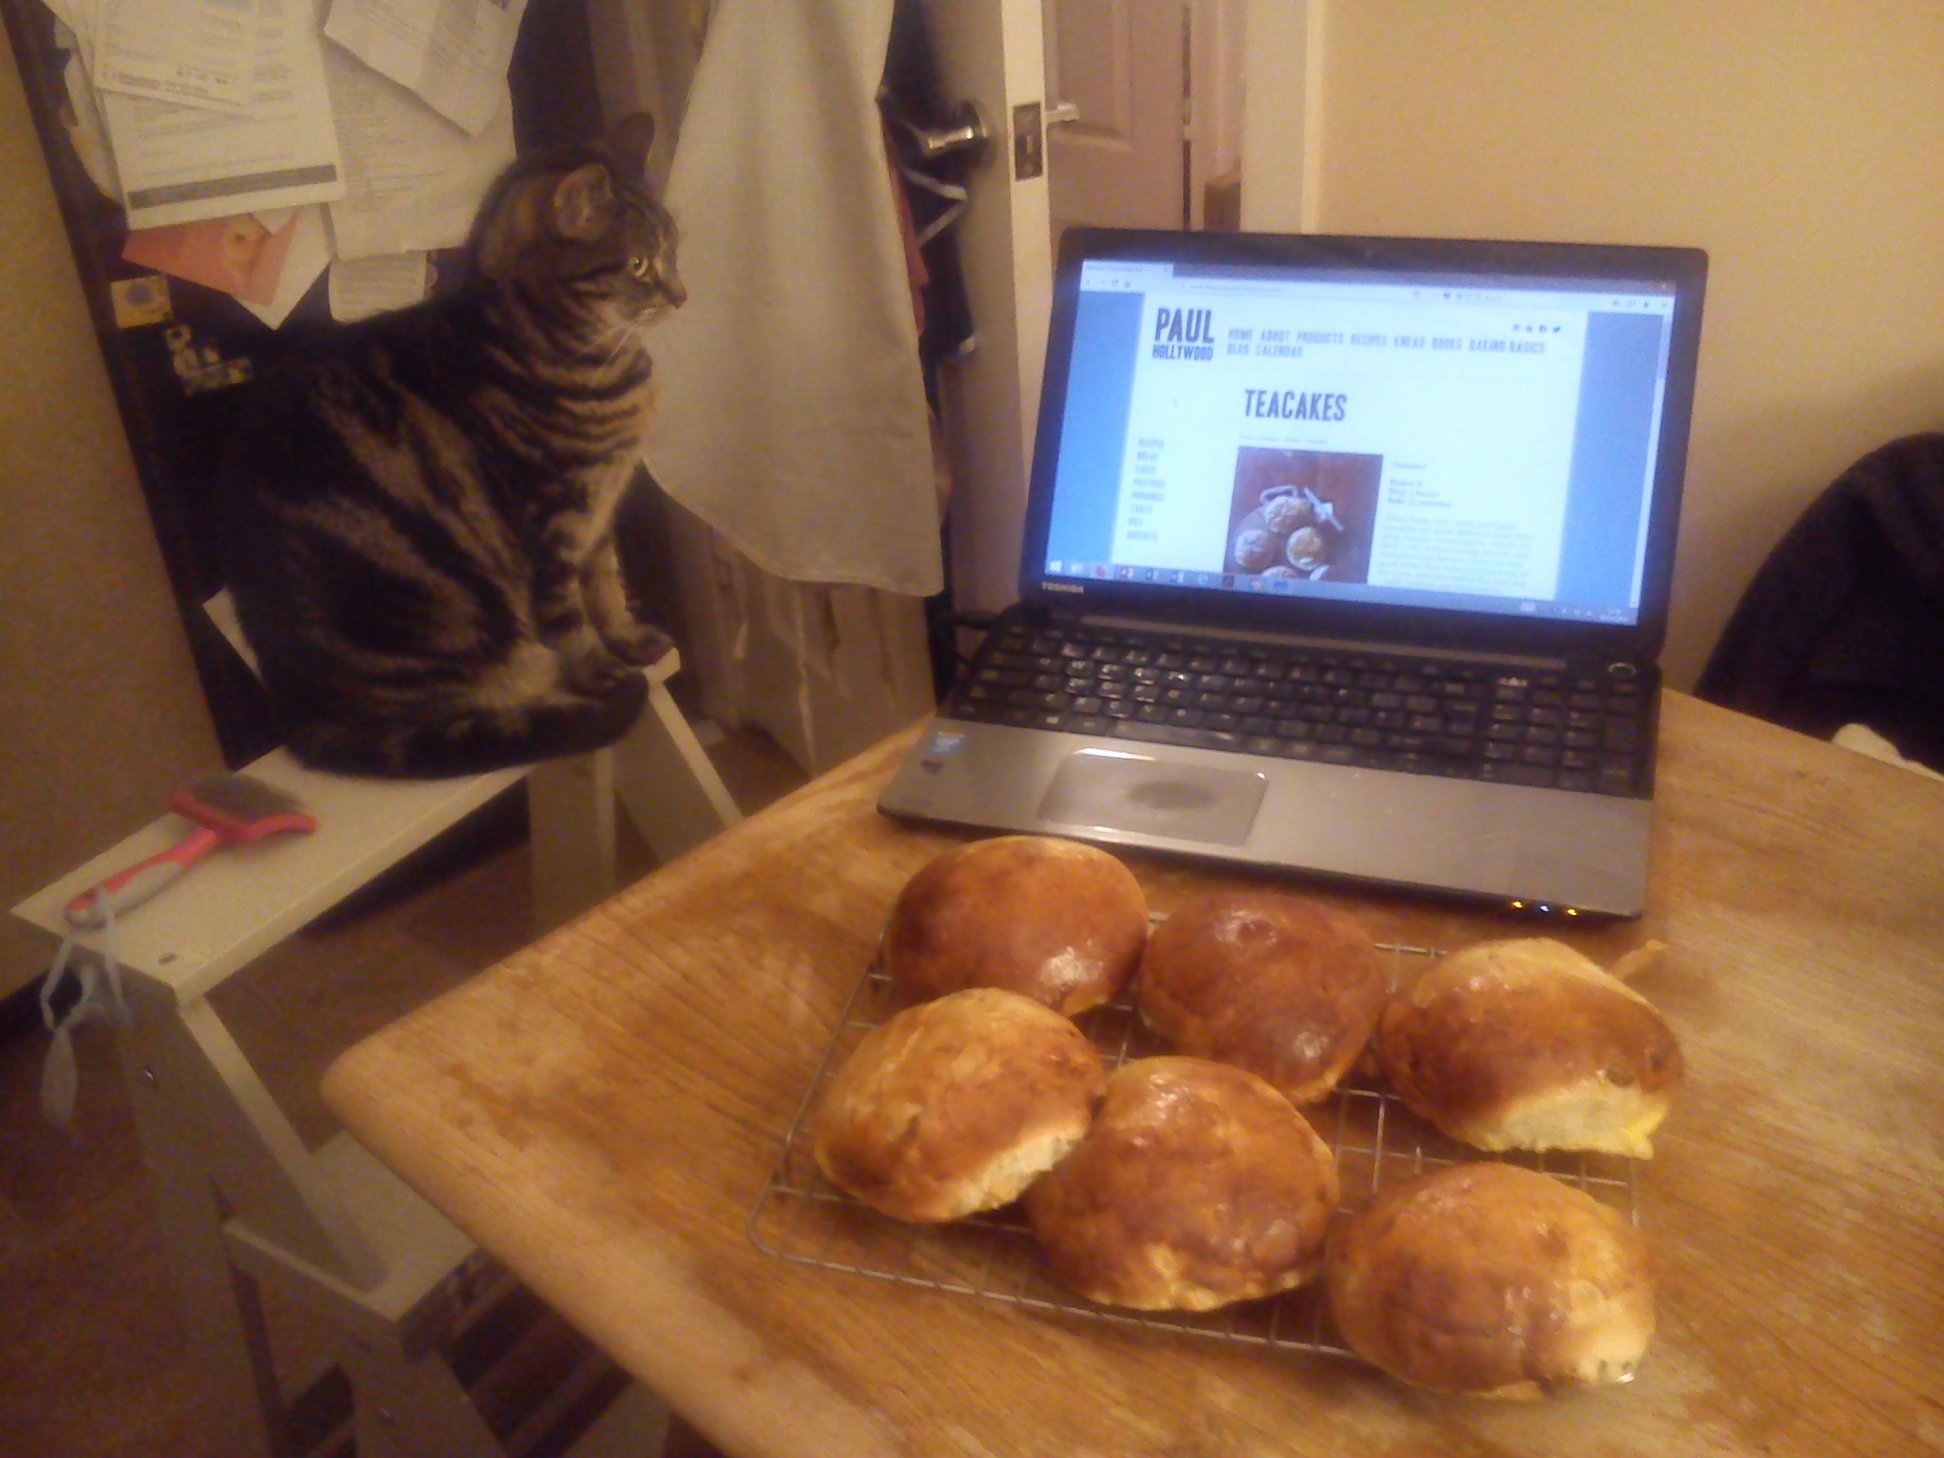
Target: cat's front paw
(638, 643)
(594, 674)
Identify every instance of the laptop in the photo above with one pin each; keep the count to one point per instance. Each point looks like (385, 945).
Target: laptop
(1347, 557)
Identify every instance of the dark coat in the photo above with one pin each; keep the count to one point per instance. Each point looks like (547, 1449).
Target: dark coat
(1844, 622)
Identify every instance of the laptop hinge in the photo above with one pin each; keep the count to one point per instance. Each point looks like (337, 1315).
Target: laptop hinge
(1341, 645)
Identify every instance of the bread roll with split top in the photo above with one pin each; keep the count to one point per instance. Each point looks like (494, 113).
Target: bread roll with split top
(1283, 986)
(1527, 1044)
(956, 1105)
(1490, 1279)
(1198, 1185)
(1054, 920)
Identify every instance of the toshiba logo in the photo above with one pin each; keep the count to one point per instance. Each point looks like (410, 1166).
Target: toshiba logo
(1063, 587)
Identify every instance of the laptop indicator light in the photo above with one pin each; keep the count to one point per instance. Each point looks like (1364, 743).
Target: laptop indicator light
(1543, 908)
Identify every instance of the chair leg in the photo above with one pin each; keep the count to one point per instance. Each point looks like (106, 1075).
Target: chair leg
(570, 836)
(411, 1406)
(683, 1441)
(218, 1303)
(666, 781)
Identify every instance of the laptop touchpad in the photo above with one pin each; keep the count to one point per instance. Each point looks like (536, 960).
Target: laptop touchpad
(1108, 790)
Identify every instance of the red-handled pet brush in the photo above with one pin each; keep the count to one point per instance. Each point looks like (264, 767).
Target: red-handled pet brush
(226, 810)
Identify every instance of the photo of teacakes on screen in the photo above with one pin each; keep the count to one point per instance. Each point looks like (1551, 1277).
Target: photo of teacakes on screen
(1303, 514)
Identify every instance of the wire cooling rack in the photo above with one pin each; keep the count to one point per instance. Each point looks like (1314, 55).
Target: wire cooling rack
(800, 1216)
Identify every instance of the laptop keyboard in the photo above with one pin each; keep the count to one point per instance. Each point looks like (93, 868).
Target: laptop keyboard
(1563, 730)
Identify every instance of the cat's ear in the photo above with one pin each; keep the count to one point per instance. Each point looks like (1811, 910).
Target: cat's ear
(581, 202)
(629, 140)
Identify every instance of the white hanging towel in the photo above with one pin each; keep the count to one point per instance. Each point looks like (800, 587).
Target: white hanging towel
(790, 409)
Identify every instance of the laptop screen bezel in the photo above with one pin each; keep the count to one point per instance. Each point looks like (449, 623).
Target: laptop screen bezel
(1684, 270)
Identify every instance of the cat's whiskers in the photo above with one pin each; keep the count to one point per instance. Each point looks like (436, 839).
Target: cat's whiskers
(623, 334)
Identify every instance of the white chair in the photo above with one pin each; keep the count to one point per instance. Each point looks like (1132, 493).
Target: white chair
(238, 1198)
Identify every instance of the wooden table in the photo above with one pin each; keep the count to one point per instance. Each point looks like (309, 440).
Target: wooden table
(601, 1111)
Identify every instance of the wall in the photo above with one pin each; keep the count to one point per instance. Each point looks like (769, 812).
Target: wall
(1801, 144)
(101, 717)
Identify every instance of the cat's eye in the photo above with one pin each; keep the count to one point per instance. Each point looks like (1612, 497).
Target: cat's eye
(641, 266)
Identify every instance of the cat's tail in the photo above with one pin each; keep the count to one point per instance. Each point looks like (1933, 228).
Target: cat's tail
(471, 742)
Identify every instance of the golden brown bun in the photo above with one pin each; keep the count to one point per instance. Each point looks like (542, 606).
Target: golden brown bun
(1526, 1044)
(1197, 1185)
(1491, 1279)
(1285, 987)
(1054, 920)
(956, 1105)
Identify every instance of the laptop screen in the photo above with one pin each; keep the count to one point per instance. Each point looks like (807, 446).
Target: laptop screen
(1482, 433)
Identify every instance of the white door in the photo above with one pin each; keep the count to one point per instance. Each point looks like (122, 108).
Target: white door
(990, 53)
(1148, 99)
(1116, 70)
(1126, 61)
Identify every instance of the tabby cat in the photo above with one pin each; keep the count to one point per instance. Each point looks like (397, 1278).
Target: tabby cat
(420, 510)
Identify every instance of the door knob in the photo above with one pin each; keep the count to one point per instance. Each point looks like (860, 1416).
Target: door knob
(966, 134)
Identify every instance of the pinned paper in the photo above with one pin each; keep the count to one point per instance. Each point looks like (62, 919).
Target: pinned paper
(453, 53)
(87, 132)
(75, 27)
(309, 256)
(223, 125)
(365, 286)
(190, 52)
(413, 181)
(179, 164)
(238, 256)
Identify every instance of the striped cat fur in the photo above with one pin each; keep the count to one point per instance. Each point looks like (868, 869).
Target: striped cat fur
(420, 510)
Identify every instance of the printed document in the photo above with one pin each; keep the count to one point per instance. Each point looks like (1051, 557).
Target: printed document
(453, 53)
(181, 163)
(369, 286)
(412, 179)
(192, 52)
